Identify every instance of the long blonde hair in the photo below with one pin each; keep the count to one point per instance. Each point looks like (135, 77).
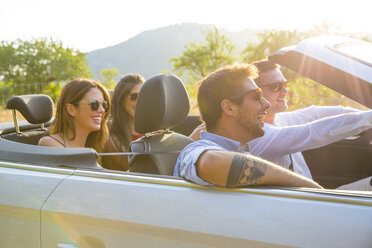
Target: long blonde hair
(63, 123)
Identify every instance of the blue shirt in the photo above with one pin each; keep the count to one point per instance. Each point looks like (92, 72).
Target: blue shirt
(277, 141)
(185, 166)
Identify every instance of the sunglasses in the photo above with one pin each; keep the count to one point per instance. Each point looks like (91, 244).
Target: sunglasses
(94, 104)
(275, 87)
(244, 93)
(133, 96)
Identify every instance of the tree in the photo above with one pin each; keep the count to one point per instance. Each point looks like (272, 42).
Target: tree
(107, 77)
(40, 61)
(269, 42)
(272, 40)
(302, 92)
(200, 59)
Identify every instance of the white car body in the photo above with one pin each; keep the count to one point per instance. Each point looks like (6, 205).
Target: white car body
(63, 205)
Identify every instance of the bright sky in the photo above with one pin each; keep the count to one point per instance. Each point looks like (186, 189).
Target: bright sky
(91, 24)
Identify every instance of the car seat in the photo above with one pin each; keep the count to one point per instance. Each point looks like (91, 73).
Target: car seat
(36, 109)
(162, 103)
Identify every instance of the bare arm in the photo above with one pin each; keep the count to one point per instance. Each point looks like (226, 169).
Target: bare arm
(231, 169)
(49, 141)
(195, 135)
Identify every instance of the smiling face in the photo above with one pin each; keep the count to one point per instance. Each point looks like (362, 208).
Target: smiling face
(87, 120)
(274, 91)
(252, 110)
(130, 101)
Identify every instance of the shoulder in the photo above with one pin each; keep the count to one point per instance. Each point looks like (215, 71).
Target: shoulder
(196, 148)
(50, 141)
(207, 144)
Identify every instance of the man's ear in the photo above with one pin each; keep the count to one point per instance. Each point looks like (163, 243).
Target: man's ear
(228, 108)
(70, 109)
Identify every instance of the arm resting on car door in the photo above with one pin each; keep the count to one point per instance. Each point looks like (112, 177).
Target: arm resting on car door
(231, 169)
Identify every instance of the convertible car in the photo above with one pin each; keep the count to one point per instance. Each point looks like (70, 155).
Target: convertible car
(61, 197)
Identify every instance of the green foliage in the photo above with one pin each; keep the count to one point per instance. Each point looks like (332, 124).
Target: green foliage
(107, 77)
(302, 92)
(272, 40)
(53, 90)
(305, 92)
(200, 59)
(192, 90)
(269, 42)
(40, 61)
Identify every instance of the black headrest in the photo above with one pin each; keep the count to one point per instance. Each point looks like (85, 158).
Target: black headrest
(35, 108)
(162, 103)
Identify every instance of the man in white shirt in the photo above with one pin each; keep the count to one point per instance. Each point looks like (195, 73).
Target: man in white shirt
(233, 109)
(273, 84)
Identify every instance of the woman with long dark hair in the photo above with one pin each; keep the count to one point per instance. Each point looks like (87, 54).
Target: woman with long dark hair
(121, 122)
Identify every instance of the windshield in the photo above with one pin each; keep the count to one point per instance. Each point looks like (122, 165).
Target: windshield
(358, 50)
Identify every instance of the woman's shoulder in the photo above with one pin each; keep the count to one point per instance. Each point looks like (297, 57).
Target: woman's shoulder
(52, 141)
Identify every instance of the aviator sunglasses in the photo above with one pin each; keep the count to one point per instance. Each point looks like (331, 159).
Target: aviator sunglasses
(94, 104)
(275, 87)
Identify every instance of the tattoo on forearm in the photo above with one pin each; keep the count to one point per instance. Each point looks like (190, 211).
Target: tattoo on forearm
(245, 171)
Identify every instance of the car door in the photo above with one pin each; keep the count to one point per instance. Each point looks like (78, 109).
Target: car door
(23, 190)
(119, 209)
(342, 162)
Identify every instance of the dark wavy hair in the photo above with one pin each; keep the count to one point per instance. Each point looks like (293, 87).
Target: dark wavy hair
(221, 84)
(119, 119)
(72, 93)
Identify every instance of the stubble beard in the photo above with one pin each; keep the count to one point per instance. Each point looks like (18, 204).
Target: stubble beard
(251, 124)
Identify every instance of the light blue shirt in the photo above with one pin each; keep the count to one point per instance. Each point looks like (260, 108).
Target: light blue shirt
(185, 166)
(277, 141)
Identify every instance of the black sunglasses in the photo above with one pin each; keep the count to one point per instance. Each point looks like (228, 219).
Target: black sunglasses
(133, 96)
(94, 104)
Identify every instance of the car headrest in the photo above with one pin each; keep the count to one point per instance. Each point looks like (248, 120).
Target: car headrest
(162, 103)
(36, 109)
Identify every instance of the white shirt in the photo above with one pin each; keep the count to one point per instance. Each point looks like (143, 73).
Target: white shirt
(306, 129)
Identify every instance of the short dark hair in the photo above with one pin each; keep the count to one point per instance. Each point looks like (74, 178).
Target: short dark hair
(264, 65)
(221, 84)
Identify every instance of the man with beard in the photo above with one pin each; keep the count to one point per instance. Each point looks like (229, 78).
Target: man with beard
(233, 109)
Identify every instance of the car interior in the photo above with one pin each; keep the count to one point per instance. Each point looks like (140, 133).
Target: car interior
(29, 106)
(162, 114)
(19, 144)
(162, 103)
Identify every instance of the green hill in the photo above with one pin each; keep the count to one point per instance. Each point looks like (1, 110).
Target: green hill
(148, 53)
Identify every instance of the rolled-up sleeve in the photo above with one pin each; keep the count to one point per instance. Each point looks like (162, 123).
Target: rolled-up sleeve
(185, 166)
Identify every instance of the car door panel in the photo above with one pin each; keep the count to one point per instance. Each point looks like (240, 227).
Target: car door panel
(23, 190)
(103, 210)
(342, 162)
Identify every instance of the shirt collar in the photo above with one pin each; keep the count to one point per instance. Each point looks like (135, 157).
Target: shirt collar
(226, 143)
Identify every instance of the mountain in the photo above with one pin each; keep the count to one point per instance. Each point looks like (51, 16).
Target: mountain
(148, 53)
